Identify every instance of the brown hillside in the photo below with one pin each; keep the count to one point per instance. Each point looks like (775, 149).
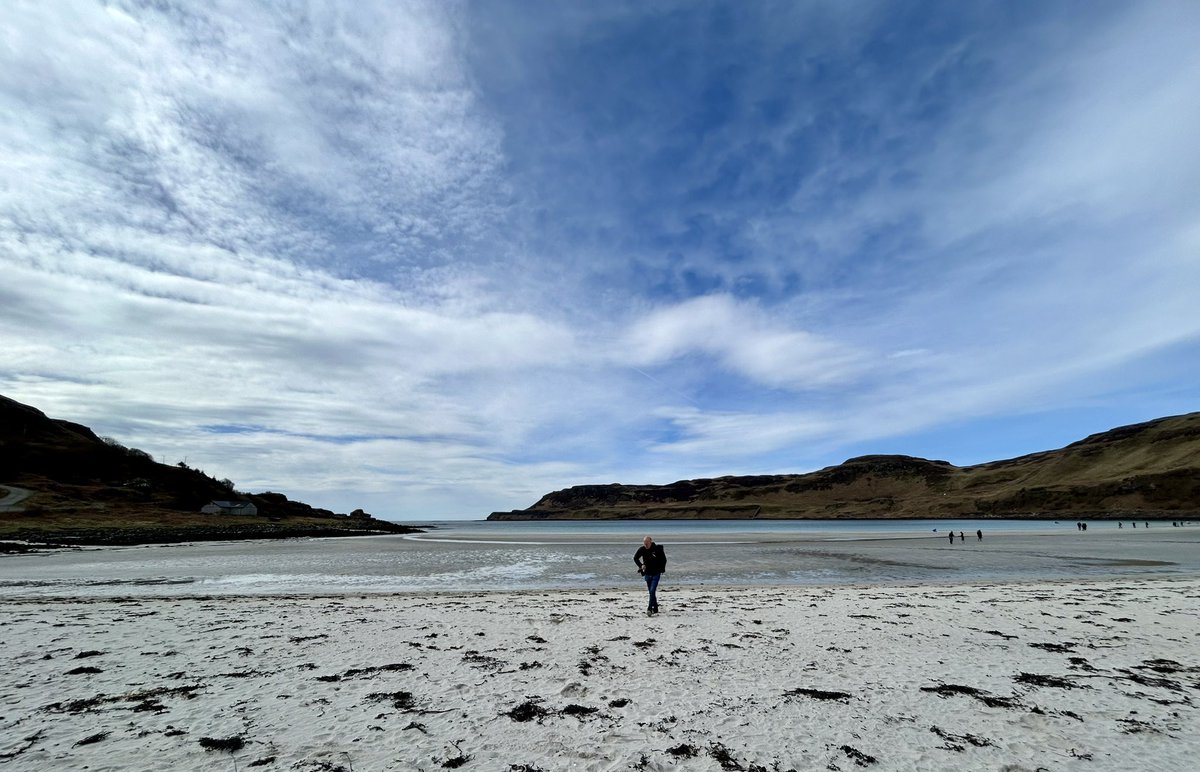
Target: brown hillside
(88, 489)
(1146, 470)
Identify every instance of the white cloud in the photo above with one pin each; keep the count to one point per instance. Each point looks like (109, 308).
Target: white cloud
(743, 340)
(295, 224)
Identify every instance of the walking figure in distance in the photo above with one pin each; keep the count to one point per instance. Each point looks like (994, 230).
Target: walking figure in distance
(651, 560)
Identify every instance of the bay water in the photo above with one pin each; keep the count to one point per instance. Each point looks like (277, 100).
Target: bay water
(501, 556)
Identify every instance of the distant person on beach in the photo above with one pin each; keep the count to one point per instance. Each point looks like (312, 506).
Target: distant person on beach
(952, 537)
(979, 534)
(651, 560)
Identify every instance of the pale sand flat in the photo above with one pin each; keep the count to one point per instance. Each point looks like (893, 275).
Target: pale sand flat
(1091, 676)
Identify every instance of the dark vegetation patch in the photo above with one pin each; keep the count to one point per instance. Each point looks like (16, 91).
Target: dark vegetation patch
(817, 694)
(136, 698)
(1157, 682)
(987, 698)
(243, 674)
(29, 741)
(319, 765)
(90, 653)
(400, 700)
(682, 751)
(1136, 726)
(857, 756)
(367, 671)
(1057, 648)
(229, 744)
(955, 742)
(1057, 682)
(1166, 666)
(92, 738)
(724, 757)
(84, 671)
(593, 658)
(529, 710)
(454, 762)
(618, 703)
(578, 710)
(481, 661)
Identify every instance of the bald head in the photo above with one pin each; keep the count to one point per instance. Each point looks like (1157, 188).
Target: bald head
(646, 542)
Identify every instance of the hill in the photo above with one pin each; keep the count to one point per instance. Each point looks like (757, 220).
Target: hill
(1149, 470)
(59, 482)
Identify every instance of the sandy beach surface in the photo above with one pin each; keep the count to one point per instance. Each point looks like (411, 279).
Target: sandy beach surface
(1097, 675)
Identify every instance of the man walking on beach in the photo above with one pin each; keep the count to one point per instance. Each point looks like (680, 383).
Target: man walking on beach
(651, 561)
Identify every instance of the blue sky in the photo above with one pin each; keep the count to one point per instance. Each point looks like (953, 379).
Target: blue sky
(438, 259)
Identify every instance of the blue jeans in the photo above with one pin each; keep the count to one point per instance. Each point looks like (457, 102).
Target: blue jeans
(652, 586)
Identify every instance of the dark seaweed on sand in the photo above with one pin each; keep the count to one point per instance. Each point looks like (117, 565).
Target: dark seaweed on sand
(93, 738)
(817, 694)
(400, 700)
(987, 698)
(138, 698)
(1056, 648)
(229, 744)
(954, 742)
(456, 761)
(578, 710)
(1036, 679)
(526, 711)
(857, 756)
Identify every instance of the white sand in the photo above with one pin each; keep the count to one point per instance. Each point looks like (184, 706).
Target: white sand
(711, 683)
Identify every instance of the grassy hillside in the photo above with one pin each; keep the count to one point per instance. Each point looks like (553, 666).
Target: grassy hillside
(88, 489)
(1148, 470)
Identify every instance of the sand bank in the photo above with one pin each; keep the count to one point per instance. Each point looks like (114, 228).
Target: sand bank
(1090, 676)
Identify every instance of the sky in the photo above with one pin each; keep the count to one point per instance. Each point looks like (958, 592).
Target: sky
(436, 259)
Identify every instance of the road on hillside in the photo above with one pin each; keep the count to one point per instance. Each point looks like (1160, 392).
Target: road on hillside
(12, 498)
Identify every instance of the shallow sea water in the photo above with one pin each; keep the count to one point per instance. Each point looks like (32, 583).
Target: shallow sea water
(482, 556)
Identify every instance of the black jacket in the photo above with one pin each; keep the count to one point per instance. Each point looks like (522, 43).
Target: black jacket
(653, 560)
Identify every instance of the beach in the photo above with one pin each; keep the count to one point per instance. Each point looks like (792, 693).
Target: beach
(1090, 675)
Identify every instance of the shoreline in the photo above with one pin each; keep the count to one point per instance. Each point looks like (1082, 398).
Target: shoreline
(634, 587)
(1070, 674)
(373, 566)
